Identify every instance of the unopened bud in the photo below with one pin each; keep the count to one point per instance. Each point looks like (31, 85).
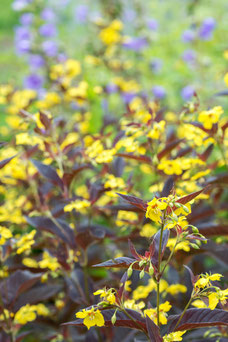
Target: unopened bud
(141, 263)
(113, 319)
(178, 205)
(151, 270)
(185, 208)
(141, 274)
(129, 271)
(194, 245)
(195, 230)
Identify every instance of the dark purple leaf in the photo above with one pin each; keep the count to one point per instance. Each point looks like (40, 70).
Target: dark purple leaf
(212, 229)
(199, 318)
(133, 250)
(206, 154)
(168, 186)
(141, 158)
(45, 120)
(153, 331)
(168, 148)
(48, 172)
(16, 284)
(37, 294)
(122, 262)
(192, 276)
(5, 161)
(122, 284)
(188, 198)
(87, 235)
(156, 242)
(138, 202)
(68, 177)
(62, 230)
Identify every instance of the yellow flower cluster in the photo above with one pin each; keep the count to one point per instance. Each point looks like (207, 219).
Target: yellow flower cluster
(28, 313)
(5, 234)
(25, 243)
(110, 35)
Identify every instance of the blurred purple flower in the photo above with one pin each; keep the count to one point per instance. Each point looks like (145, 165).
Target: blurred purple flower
(156, 65)
(152, 24)
(26, 19)
(33, 81)
(23, 39)
(48, 14)
(111, 88)
(81, 13)
(48, 30)
(50, 48)
(135, 43)
(188, 36)
(187, 92)
(22, 33)
(128, 97)
(159, 92)
(36, 61)
(206, 29)
(22, 46)
(62, 57)
(189, 56)
(129, 15)
(19, 5)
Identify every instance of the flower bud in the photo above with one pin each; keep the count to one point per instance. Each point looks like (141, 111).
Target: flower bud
(151, 270)
(113, 319)
(194, 245)
(141, 263)
(195, 230)
(141, 274)
(129, 271)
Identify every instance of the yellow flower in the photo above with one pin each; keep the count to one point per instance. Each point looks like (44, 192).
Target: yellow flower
(226, 75)
(114, 182)
(125, 217)
(91, 317)
(5, 234)
(205, 280)
(163, 309)
(127, 286)
(176, 288)
(49, 262)
(157, 130)
(182, 222)
(199, 304)
(25, 242)
(108, 295)
(175, 336)
(210, 117)
(183, 245)
(170, 167)
(110, 35)
(148, 230)
(25, 314)
(216, 297)
(131, 304)
(154, 209)
(78, 205)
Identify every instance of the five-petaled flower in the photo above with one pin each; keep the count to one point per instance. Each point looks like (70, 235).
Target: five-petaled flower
(154, 209)
(91, 317)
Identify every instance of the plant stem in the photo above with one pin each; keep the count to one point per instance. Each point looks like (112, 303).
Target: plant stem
(186, 307)
(159, 276)
(133, 320)
(170, 256)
